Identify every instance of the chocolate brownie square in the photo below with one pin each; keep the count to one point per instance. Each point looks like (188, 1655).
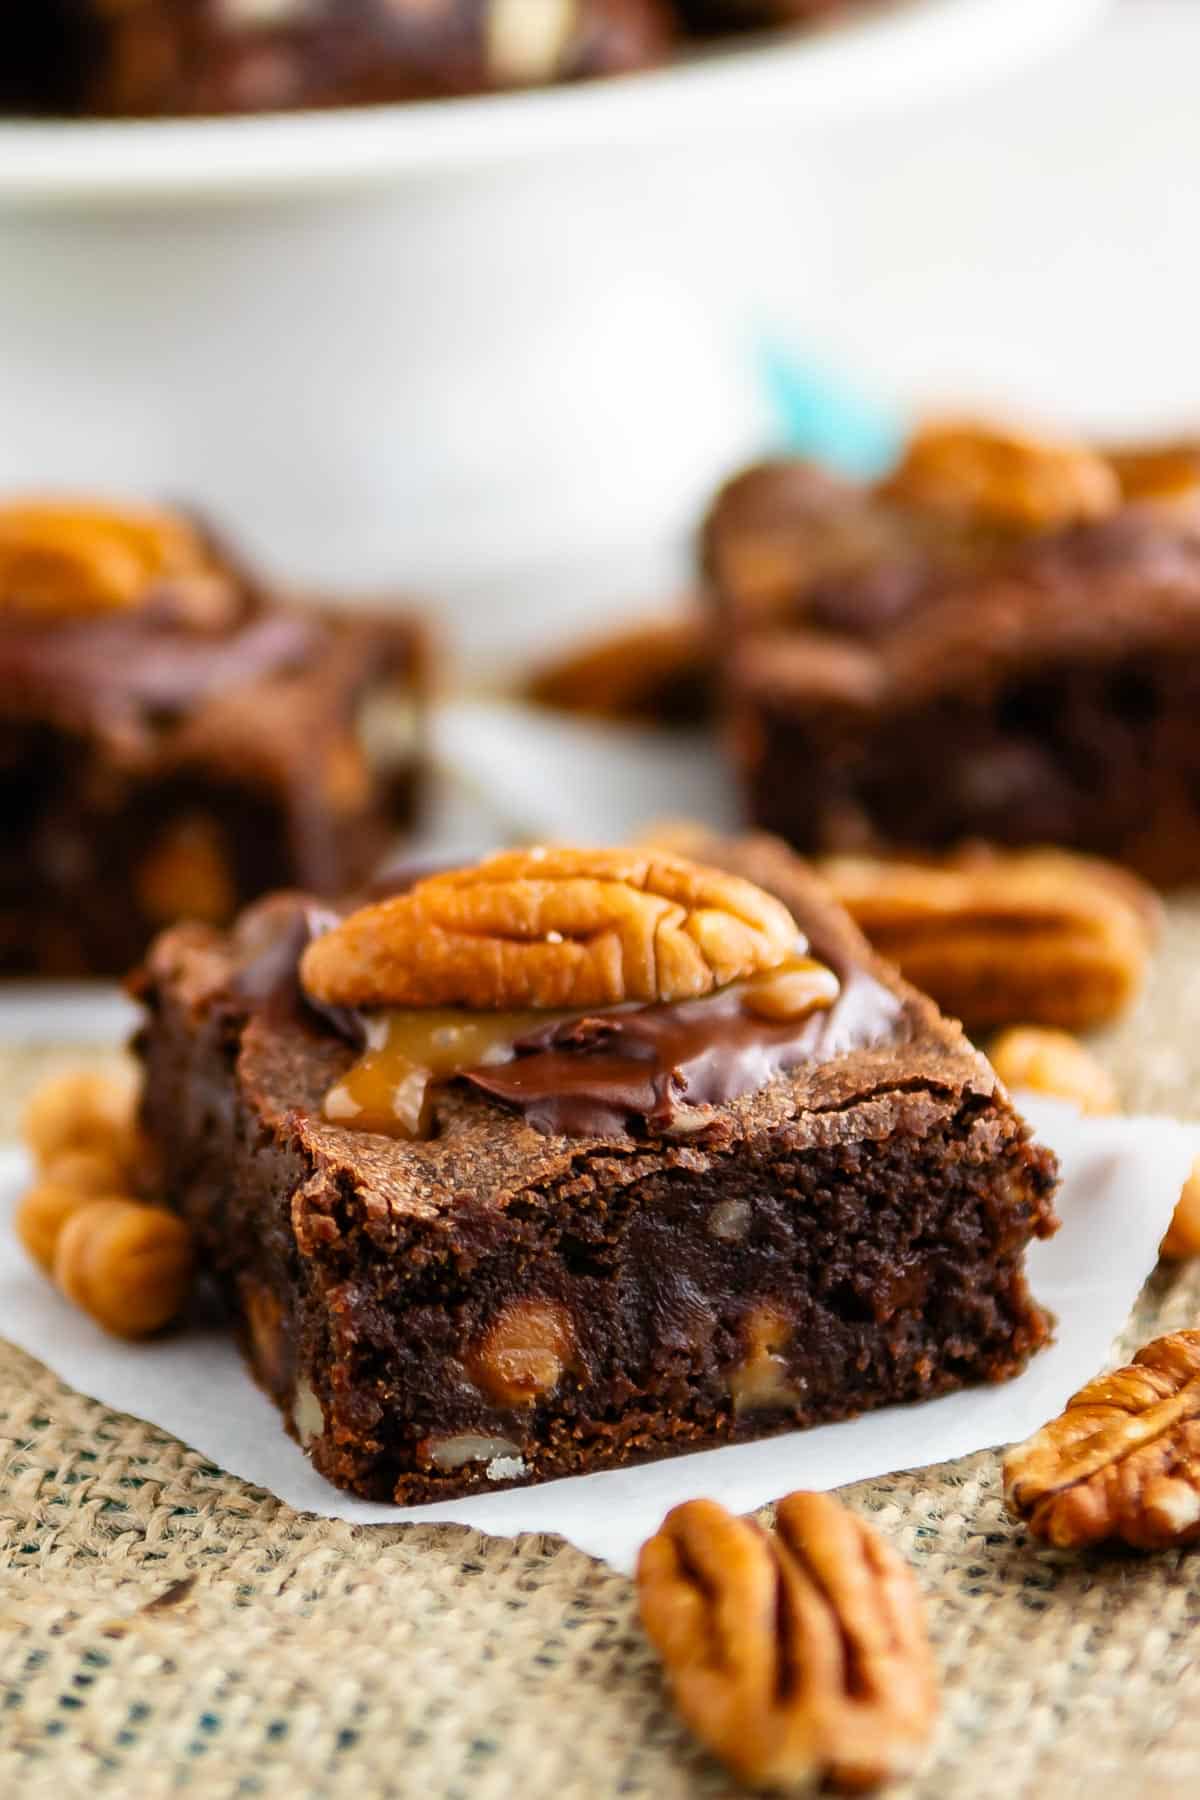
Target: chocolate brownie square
(177, 739)
(624, 1232)
(1000, 641)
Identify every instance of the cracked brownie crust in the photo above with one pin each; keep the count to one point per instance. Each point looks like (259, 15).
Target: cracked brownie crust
(501, 1304)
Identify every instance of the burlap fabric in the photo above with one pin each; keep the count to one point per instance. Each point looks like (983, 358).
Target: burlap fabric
(164, 1628)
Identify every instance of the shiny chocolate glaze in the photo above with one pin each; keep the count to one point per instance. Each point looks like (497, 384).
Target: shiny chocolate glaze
(648, 1068)
(634, 1069)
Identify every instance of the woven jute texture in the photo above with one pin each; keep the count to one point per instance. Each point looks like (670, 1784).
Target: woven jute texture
(166, 1629)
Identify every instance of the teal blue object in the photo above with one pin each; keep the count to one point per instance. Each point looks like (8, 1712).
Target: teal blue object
(819, 415)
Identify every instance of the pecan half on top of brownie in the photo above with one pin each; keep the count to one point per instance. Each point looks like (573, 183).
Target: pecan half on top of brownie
(175, 738)
(577, 1158)
(1000, 640)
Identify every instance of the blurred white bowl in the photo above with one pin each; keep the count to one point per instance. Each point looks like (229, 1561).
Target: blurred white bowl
(465, 344)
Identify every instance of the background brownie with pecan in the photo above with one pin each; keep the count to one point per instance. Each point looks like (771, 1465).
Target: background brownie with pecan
(175, 739)
(1001, 640)
(576, 1158)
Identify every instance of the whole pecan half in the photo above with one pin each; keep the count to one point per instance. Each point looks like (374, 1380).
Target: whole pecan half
(1043, 937)
(553, 928)
(1122, 1461)
(68, 559)
(795, 1656)
(1003, 477)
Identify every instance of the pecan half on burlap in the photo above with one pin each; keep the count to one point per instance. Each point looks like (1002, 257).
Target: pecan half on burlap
(795, 1656)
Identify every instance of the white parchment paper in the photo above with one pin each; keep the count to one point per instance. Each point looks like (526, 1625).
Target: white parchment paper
(1122, 1179)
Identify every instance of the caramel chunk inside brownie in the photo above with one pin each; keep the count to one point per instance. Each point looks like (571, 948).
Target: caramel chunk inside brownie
(620, 1240)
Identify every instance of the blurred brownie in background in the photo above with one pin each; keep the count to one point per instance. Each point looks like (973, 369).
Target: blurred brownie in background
(705, 17)
(658, 670)
(179, 57)
(176, 739)
(1001, 641)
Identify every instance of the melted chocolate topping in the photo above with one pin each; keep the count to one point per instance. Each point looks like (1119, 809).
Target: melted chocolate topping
(144, 660)
(268, 978)
(637, 1069)
(646, 1068)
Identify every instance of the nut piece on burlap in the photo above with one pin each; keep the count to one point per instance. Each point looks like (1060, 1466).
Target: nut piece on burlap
(549, 928)
(1039, 937)
(797, 1656)
(1123, 1460)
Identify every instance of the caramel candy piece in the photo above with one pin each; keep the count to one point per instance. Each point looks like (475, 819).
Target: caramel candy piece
(128, 1266)
(524, 1352)
(81, 1111)
(187, 875)
(41, 1215)
(1053, 1062)
(98, 1171)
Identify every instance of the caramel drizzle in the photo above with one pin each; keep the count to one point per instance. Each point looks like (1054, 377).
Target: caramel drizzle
(390, 1089)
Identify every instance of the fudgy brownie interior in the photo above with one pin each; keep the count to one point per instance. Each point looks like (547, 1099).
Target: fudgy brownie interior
(503, 1303)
